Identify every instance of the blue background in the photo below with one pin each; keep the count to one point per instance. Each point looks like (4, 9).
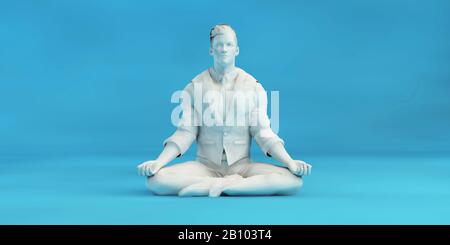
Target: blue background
(85, 92)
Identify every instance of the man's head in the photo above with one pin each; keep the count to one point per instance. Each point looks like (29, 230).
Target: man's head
(223, 44)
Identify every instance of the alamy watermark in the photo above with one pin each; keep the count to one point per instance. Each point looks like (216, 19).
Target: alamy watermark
(225, 108)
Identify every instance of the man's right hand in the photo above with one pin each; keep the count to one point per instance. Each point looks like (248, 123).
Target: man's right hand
(149, 168)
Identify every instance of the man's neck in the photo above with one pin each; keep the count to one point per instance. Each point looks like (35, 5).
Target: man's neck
(220, 70)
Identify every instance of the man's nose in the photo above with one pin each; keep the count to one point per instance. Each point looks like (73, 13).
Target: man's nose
(223, 48)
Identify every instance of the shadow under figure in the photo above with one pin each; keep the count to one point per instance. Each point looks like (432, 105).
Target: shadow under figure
(224, 131)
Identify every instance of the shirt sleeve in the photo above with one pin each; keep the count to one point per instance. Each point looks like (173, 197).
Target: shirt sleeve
(187, 128)
(260, 124)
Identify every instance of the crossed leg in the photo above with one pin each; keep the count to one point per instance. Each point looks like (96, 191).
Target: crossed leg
(264, 179)
(173, 179)
(195, 179)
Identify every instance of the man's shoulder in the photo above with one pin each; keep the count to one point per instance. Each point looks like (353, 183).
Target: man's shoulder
(201, 76)
(245, 76)
(246, 80)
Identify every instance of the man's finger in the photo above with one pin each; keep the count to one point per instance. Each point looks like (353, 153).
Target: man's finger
(152, 170)
(142, 169)
(306, 170)
(145, 170)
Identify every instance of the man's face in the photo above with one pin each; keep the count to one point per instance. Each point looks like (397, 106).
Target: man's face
(224, 48)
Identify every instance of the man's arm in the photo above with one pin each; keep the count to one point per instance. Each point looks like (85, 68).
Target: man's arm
(180, 141)
(169, 153)
(268, 141)
(260, 124)
(280, 154)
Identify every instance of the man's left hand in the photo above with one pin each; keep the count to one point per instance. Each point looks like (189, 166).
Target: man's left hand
(299, 168)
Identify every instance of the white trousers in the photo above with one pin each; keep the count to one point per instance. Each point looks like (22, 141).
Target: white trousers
(252, 178)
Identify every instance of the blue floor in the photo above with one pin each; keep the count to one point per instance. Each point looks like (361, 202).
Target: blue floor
(342, 190)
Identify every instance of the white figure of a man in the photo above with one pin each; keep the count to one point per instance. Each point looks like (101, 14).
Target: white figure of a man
(223, 164)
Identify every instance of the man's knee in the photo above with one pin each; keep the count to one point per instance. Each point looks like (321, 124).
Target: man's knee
(289, 184)
(294, 186)
(164, 173)
(158, 184)
(152, 184)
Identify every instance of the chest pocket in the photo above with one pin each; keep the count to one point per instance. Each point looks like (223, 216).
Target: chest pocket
(240, 142)
(207, 142)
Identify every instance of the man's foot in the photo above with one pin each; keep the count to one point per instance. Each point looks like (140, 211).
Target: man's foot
(221, 183)
(196, 190)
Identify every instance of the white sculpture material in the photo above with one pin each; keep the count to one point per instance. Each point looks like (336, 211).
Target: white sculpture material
(223, 164)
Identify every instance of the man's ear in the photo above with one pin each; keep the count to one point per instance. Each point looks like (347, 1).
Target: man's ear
(237, 50)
